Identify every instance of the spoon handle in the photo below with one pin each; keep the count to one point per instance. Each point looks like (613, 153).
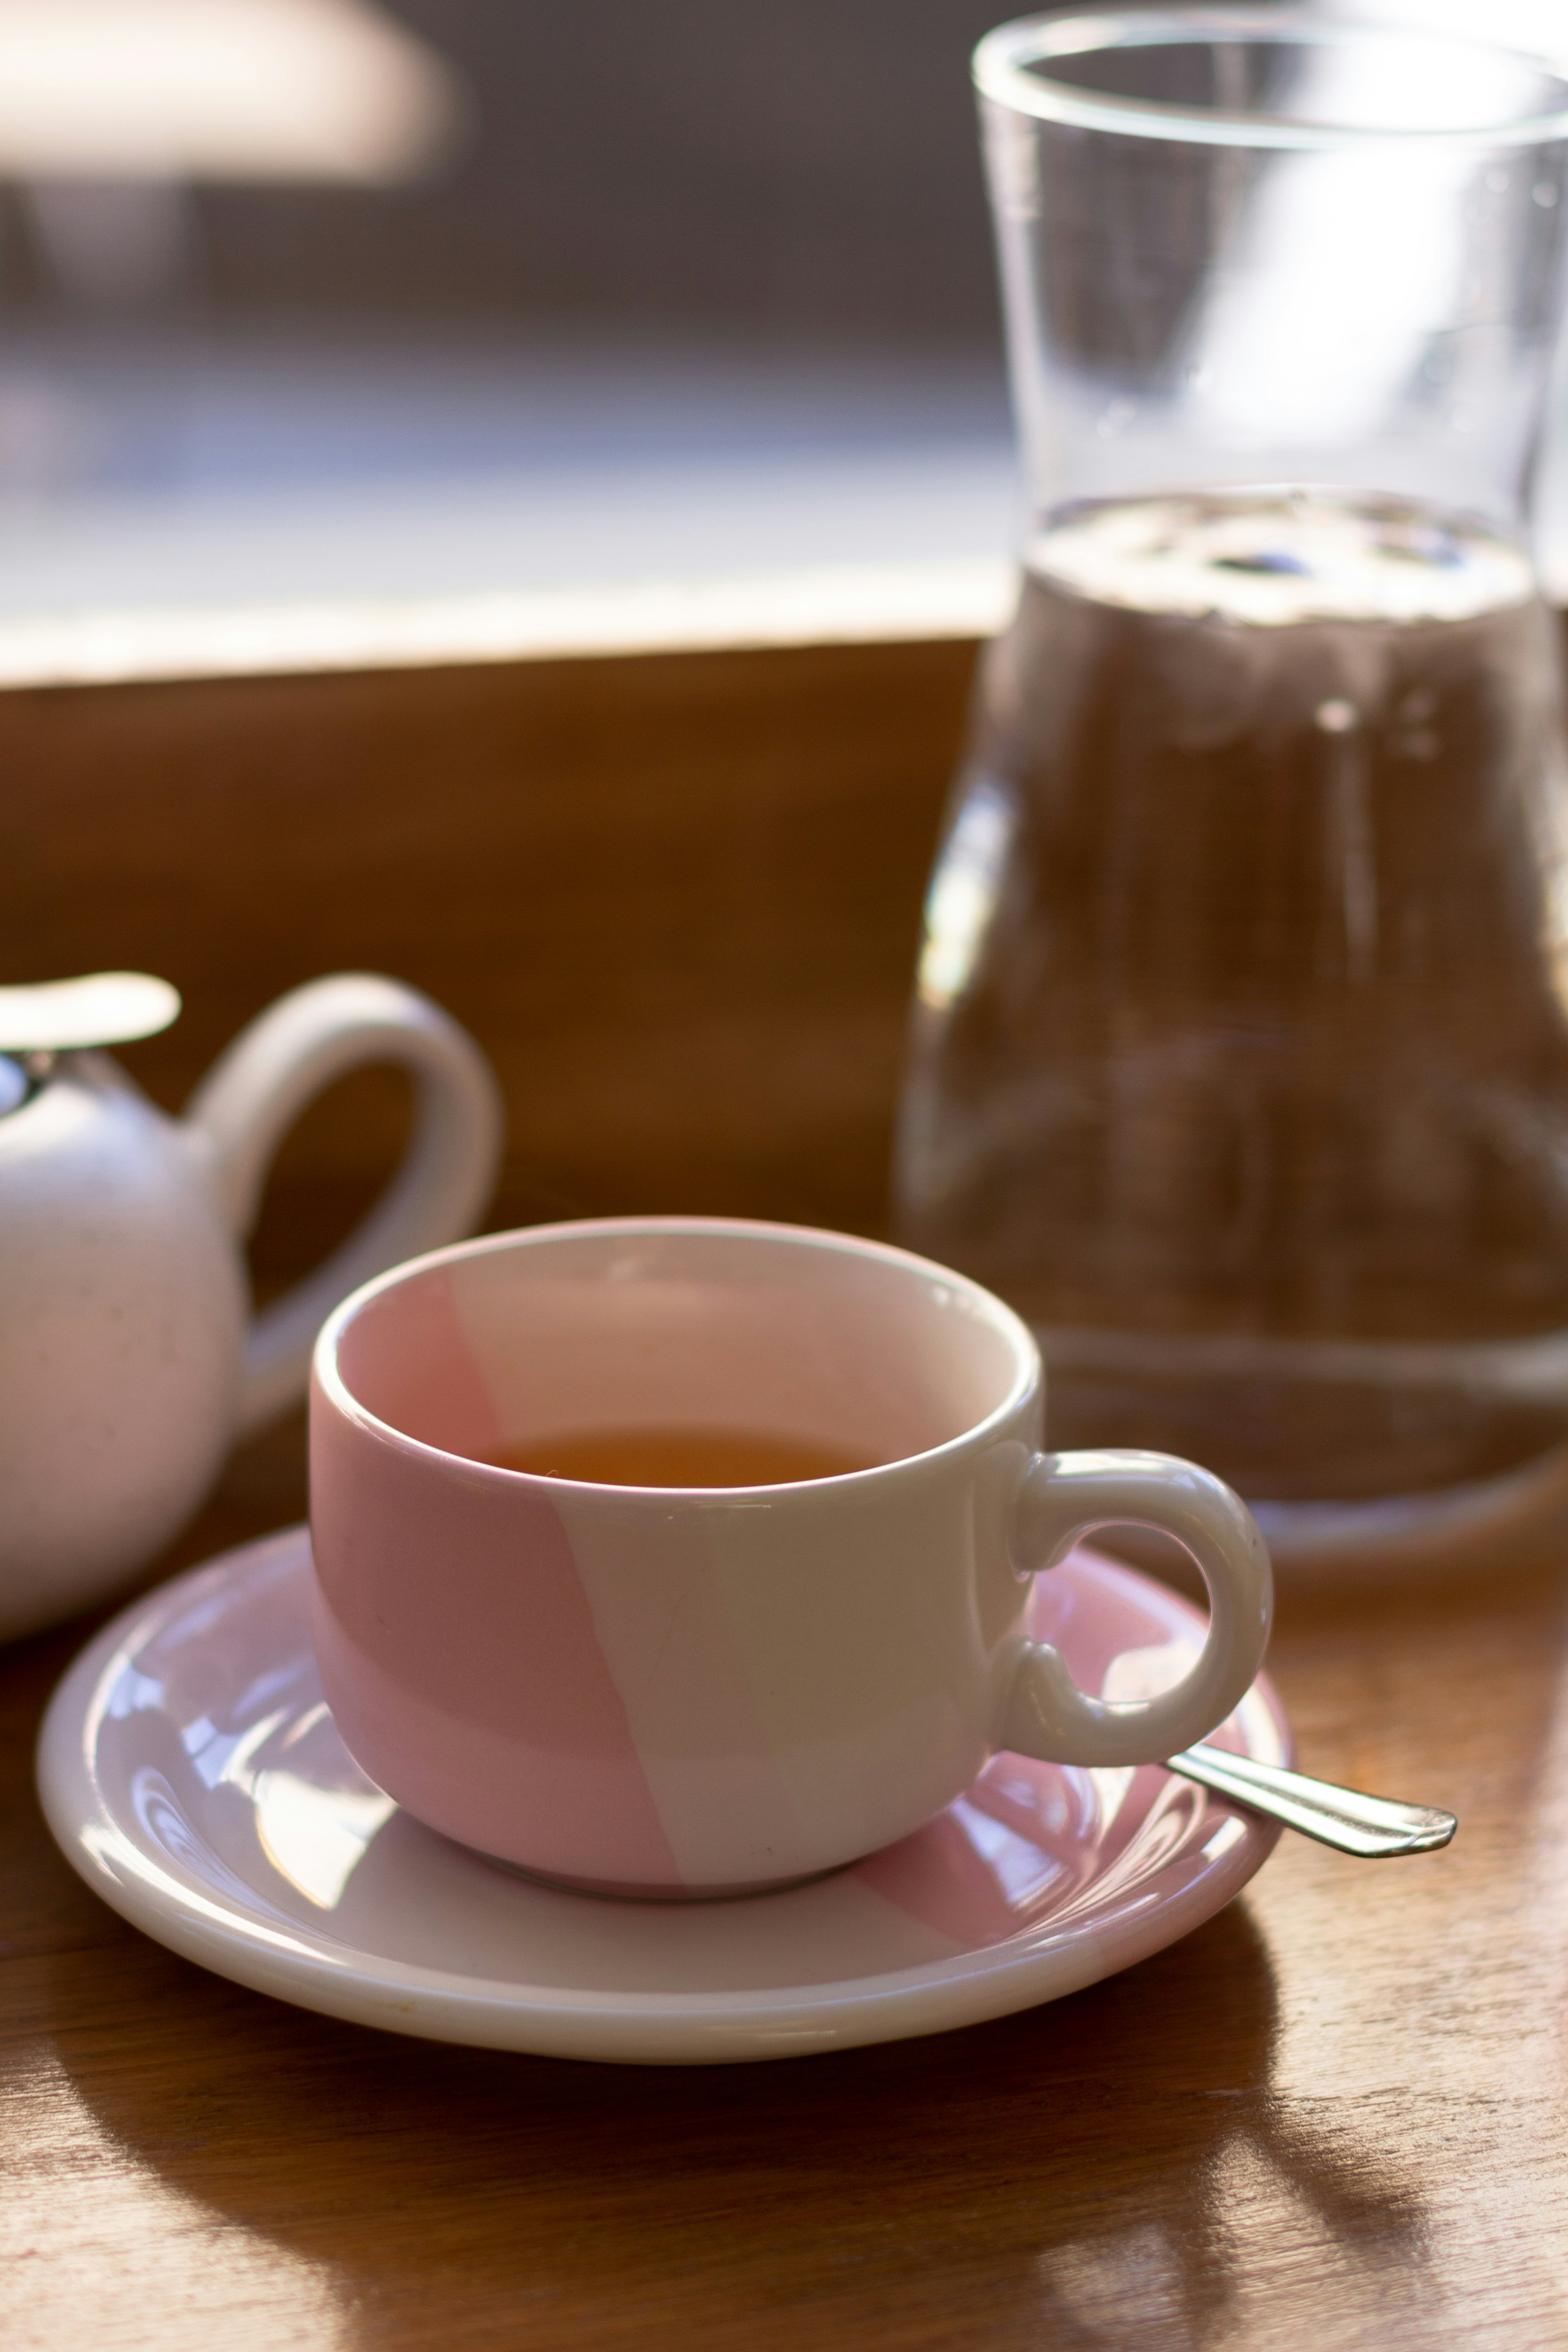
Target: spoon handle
(1369, 1827)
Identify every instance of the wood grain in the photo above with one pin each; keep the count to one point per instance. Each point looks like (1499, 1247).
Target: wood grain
(1333, 2118)
(676, 899)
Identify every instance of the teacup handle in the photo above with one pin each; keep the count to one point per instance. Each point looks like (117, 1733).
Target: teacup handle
(1065, 1497)
(256, 1089)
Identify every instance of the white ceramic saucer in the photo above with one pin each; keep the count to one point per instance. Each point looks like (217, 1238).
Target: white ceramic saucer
(193, 1774)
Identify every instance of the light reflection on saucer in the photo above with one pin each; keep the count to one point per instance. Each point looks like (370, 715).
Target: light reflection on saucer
(192, 1772)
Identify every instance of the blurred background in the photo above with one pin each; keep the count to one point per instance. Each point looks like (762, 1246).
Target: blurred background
(333, 297)
(382, 299)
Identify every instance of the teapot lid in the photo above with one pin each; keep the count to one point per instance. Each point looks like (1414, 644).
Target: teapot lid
(103, 1008)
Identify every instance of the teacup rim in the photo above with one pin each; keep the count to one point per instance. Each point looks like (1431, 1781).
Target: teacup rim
(326, 1375)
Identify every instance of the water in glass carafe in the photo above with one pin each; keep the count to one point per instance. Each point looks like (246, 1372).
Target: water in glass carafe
(1240, 1049)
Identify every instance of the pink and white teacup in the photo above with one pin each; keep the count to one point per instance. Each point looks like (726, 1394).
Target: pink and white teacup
(702, 1690)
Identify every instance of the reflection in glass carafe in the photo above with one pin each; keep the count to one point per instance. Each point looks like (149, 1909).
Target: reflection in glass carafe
(1239, 1059)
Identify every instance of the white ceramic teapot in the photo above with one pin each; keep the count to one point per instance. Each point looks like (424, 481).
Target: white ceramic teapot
(129, 1357)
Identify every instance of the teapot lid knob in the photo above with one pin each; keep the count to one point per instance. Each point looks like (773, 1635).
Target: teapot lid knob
(104, 1008)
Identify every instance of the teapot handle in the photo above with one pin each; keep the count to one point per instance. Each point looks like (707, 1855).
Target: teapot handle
(257, 1088)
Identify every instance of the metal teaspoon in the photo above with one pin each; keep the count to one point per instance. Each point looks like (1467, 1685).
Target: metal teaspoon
(1351, 1823)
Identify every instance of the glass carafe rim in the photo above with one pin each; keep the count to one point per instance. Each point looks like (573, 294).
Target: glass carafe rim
(1003, 60)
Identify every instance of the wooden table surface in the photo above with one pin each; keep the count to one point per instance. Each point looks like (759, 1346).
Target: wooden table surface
(1333, 2118)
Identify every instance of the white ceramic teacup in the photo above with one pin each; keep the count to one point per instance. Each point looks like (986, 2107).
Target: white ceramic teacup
(696, 1691)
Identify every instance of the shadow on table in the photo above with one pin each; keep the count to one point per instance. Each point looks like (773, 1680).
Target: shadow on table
(1109, 2171)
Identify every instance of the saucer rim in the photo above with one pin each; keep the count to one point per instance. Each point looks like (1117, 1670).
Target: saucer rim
(301, 1966)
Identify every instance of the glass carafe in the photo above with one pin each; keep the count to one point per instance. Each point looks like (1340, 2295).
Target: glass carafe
(1239, 1059)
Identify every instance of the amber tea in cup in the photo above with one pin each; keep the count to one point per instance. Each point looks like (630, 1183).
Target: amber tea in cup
(684, 1457)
